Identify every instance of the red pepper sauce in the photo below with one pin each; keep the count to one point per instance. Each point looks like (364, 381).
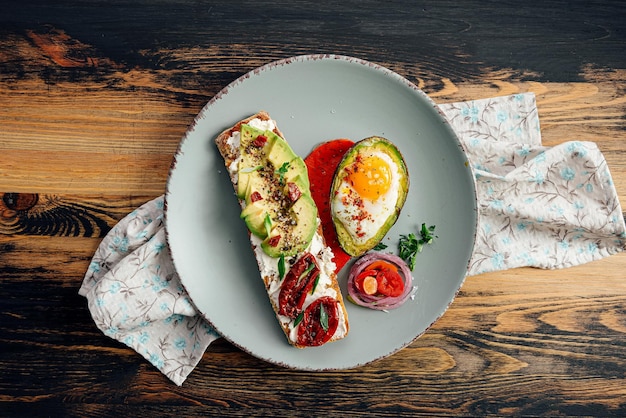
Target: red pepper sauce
(321, 164)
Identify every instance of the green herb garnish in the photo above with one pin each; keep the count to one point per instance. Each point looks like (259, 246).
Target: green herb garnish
(281, 266)
(308, 270)
(427, 234)
(409, 245)
(250, 169)
(323, 318)
(267, 222)
(380, 246)
(408, 249)
(298, 319)
(282, 171)
(317, 280)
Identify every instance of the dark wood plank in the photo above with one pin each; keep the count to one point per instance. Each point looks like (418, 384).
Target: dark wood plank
(494, 348)
(446, 39)
(63, 215)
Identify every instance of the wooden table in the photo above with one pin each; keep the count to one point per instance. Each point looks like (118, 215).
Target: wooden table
(94, 98)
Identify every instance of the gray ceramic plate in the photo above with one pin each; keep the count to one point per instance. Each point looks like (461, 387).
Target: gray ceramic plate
(315, 99)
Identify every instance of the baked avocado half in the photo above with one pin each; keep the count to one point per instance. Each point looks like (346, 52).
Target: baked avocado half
(368, 192)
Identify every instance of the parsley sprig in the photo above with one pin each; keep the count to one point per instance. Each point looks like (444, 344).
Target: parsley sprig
(379, 247)
(409, 245)
(282, 171)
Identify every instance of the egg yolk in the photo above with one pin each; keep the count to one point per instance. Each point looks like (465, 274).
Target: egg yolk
(370, 177)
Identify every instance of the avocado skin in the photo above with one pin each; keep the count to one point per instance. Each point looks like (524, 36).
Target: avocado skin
(344, 237)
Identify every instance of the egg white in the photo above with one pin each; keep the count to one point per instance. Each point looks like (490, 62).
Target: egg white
(363, 222)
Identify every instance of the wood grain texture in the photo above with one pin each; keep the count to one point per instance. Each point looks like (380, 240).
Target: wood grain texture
(560, 337)
(94, 98)
(57, 215)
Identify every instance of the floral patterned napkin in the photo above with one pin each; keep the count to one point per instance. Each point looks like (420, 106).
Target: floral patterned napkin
(540, 207)
(135, 296)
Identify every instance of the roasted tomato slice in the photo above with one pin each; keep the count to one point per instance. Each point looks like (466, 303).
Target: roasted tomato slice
(319, 322)
(388, 280)
(273, 242)
(259, 141)
(297, 283)
(293, 191)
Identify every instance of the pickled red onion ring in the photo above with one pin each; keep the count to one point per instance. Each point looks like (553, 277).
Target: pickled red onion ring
(379, 302)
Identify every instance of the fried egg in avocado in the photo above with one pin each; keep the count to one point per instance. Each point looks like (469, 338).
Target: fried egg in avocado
(368, 192)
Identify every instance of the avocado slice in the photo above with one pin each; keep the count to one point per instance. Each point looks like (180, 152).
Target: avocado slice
(368, 192)
(243, 182)
(285, 221)
(247, 134)
(255, 212)
(297, 169)
(254, 216)
(256, 183)
(280, 152)
(302, 182)
(292, 238)
(250, 160)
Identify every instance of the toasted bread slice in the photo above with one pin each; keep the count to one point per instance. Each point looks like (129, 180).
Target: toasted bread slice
(325, 286)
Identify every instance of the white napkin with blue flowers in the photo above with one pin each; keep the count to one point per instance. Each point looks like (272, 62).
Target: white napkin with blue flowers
(540, 207)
